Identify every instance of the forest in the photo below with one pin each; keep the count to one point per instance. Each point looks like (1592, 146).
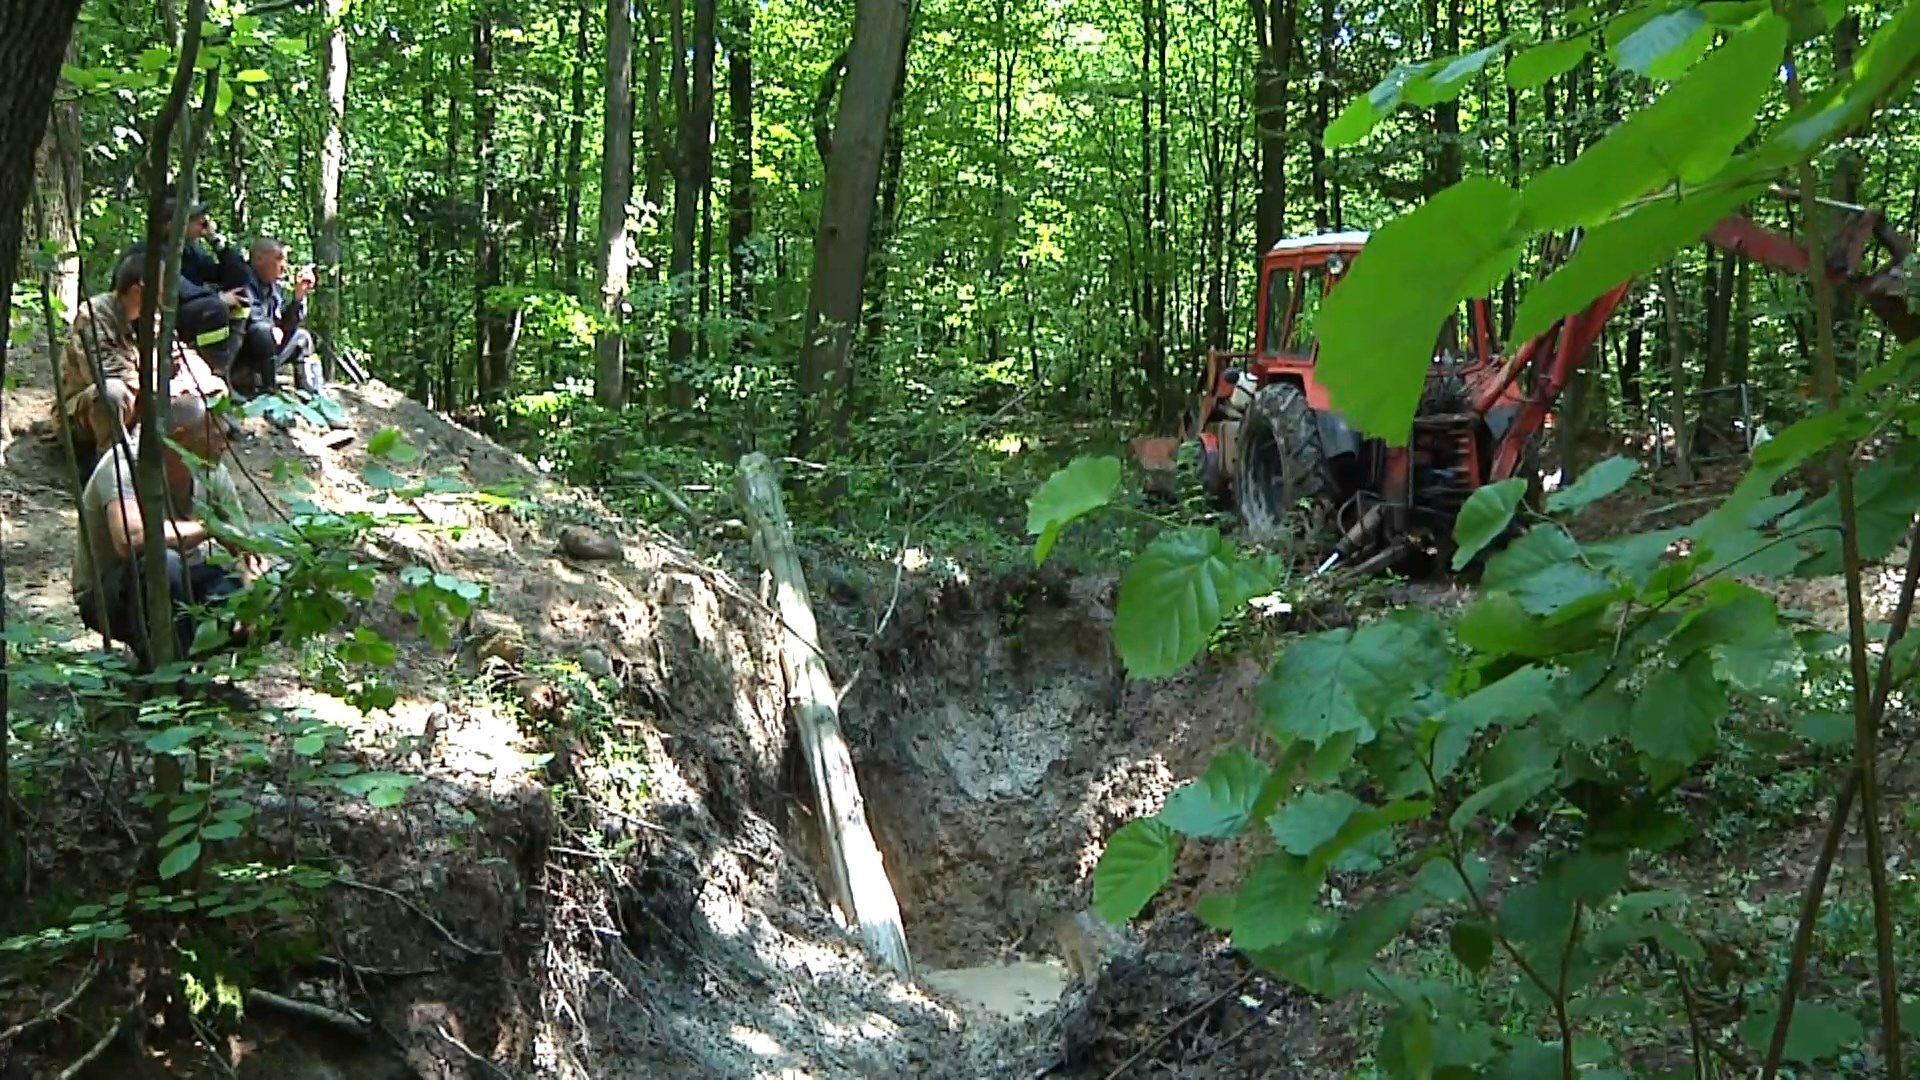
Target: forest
(1486, 435)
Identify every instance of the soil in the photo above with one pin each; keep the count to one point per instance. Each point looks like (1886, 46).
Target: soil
(618, 876)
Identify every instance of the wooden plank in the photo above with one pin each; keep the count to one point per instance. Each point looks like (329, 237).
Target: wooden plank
(859, 874)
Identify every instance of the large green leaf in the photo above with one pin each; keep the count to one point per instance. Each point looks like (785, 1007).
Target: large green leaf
(1311, 820)
(1532, 67)
(1484, 516)
(1543, 570)
(1472, 942)
(1687, 135)
(1622, 249)
(1885, 499)
(1498, 625)
(1219, 803)
(1084, 485)
(1137, 862)
(1174, 595)
(1598, 482)
(1659, 36)
(1361, 114)
(1350, 680)
(1274, 902)
(1376, 329)
(1512, 790)
(179, 860)
(1816, 1031)
(1444, 79)
(1675, 719)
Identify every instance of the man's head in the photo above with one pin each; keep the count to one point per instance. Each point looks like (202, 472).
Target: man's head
(129, 282)
(199, 225)
(192, 424)
(269, 259)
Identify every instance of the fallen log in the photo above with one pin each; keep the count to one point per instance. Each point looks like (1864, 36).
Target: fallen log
(859, 874)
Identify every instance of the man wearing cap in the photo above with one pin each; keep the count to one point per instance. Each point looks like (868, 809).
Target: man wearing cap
(211, 309)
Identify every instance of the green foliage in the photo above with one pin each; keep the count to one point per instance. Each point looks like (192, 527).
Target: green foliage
(1484, 517)
(1174, 596)
(1085, 485)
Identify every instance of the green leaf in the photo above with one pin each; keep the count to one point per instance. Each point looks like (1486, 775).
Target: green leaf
(1533, 67)
(1598, 482)
(179, 859)
(223, 99)
(1496, 624)
(390, 444)
(381, 478)
(1406, 1043)
(1216, 910)
(1472, 942)
(1687, 135)
(1620, 250)
(1816, 1031)
(221, 830)
(1084, 485)
(1138, 860)
(1657, 37)
(1173, 597)
(1519, 786)
(1543, 570)
(1274, 902)
(1675, 719)
(387, 795)
(1484, 516)
(1220, 802)
(1360, 115)
(1885, 500)
(1439, 879)
(174, 738)
(1311, 820)
(1350, 680)
(1376, 331)
(310, 744)
(1886, 64)
(1769, 663)
(1826, 728)
(1443, 80)
(179, 833)
(251, 75)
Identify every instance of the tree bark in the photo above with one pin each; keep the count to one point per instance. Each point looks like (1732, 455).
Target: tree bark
(860, 885)
(34, 35)
(333, 154)
(492, 332)
(692, 172)
(576, 132)
(654, 195)
(891, 170)
(1273, 29)
(840, 248)
(1676, 376)
(616, 191)
(58, 198)
(740, 266)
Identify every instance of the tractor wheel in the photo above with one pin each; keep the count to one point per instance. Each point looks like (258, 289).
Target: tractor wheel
(1285, 490)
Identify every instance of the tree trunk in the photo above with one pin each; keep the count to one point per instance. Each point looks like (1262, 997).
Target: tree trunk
(33, 37)
(1676, 377)
(840, 247)
(58, 198)
(1630, 390)
(881, 262)
(692, 170)
(1446, 115)
(576, 134)
(490, 328)
(333, 154)
(1323, 218)
(616, 190)
(655, 193)
(1273, 28)
(740, 175)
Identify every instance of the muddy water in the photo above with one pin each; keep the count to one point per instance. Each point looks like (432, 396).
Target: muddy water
(1015, 990)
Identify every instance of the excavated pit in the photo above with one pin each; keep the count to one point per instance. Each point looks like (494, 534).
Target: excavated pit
(999, 745)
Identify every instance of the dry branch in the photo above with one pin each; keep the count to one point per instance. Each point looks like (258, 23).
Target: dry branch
(859, 873)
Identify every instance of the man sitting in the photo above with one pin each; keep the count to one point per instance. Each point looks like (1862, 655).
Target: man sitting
(210, 314)
(107, 563)
(100, 372)
(274, 337)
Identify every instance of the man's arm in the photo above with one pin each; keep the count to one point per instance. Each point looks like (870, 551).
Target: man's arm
(127, 529)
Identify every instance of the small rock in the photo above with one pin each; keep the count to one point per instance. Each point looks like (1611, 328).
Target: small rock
(494, 635)
(595, 663)
(584, 543)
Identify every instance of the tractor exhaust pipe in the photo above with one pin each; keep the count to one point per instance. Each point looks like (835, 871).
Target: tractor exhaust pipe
(1350, 544)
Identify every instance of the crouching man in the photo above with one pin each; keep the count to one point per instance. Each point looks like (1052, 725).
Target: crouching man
(108, 563)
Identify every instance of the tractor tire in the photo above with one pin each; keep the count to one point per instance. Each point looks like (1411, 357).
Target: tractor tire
(1285, 490)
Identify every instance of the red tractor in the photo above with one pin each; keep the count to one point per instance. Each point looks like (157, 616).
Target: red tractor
(1271, 442)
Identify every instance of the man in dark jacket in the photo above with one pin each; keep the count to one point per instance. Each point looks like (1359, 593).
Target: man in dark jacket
(273, 337)
(207, 291)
